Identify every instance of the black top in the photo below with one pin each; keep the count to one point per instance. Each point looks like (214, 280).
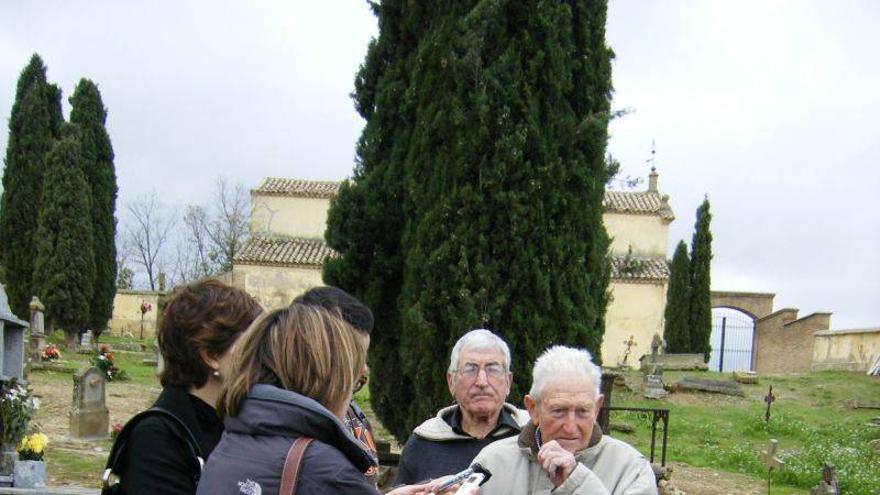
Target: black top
(428, 459)
(250, 456)
(157, 459)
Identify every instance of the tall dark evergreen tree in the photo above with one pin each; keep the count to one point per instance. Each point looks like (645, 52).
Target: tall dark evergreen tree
(366, 219)
(89, 114)
(497, 172)
(676, 331)
(700, 321)
(34, 124)
(65, 264)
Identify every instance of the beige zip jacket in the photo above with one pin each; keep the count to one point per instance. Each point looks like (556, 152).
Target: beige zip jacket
(606, 467)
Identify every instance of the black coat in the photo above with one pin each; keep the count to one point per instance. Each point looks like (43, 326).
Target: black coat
(157, 459)
(250, 457)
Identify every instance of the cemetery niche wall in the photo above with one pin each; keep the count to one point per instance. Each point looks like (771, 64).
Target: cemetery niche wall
(12, 330)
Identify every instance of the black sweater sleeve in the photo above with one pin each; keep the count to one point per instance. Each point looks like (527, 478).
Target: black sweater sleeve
(158, 461)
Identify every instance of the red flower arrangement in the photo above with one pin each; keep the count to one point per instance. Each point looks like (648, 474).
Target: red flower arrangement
(50, 353)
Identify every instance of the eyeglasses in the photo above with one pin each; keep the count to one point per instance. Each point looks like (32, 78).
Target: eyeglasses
(472, 370)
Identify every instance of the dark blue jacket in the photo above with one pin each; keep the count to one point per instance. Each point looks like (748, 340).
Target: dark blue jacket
(250, 457)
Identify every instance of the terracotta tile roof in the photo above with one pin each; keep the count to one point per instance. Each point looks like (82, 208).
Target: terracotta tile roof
(639, 269)
(284, 251)
(276, 186)
(639, 202)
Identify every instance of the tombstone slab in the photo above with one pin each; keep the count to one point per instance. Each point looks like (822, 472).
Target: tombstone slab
(88, 339)
(654, 388)
(712, 386)
(89, 417)
(745, 377)
(674, 362)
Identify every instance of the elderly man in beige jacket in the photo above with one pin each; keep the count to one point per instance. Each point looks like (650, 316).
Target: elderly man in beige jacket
(560, 451)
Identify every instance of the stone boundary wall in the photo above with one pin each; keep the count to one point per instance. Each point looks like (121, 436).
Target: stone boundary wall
(784, 343)
(126, 316)
(850, 350)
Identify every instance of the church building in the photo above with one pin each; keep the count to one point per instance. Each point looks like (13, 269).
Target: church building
(286, 250)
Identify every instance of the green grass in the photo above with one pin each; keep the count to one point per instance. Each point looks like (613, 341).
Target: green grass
(811, 420)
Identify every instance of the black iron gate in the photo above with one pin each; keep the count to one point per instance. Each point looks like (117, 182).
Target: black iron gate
(733, 340)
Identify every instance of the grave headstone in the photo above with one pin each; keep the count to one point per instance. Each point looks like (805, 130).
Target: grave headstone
(87, 340)
(771, 462)
(654, 388)
(38, 335)
(89, 417)
(156, 358)
(11, 341)
(656, 344)
(828, 485)
(629, 343)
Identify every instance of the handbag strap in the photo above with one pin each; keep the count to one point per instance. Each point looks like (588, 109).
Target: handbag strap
(292, 465)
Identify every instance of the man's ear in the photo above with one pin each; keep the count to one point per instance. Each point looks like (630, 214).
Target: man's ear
(449, 383)
(531, 407)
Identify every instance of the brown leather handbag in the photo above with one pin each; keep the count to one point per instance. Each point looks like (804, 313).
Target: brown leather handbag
(292, 465)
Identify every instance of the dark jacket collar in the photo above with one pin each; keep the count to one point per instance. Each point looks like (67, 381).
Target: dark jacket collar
(505, 419)
(269, 410)
(527, 438)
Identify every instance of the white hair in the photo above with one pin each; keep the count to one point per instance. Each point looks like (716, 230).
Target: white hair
(561, 362)
(479, 340)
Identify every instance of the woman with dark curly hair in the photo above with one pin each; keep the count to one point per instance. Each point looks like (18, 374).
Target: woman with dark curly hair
(198, 327)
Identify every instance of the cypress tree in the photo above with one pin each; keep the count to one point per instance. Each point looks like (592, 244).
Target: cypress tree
(89, 114)
(677, 312)
(498, 163)
(700, 320)
(65, 264)
(365, 221)
(34, 124)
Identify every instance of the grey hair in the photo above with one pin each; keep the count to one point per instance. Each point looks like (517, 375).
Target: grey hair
(561, 362)
(479, 340)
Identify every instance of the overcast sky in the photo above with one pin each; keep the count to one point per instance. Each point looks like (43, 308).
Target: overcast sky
(770, 108)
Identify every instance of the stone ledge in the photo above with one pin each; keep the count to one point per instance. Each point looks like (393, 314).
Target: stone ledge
(66, 490)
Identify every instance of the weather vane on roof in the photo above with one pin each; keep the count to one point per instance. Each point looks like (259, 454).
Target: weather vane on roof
(653, 159)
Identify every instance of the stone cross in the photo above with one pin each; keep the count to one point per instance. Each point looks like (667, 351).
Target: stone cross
(769, 398)
(89, 417)
(828, 485)
(630, 343)
(771, 462)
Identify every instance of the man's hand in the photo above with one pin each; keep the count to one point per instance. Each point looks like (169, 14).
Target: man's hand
(557, 462)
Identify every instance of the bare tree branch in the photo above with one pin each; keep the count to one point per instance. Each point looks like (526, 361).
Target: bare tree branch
(147, 234)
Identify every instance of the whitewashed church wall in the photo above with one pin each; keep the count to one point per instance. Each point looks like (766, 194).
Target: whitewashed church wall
(637, 311)
(275, 286)
(647, 234)
(289, 216)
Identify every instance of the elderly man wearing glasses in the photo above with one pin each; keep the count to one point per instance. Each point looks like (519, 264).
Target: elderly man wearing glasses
(479, 380)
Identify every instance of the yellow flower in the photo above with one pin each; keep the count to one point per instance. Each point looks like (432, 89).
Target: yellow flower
(38, 442)
(35, 443)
